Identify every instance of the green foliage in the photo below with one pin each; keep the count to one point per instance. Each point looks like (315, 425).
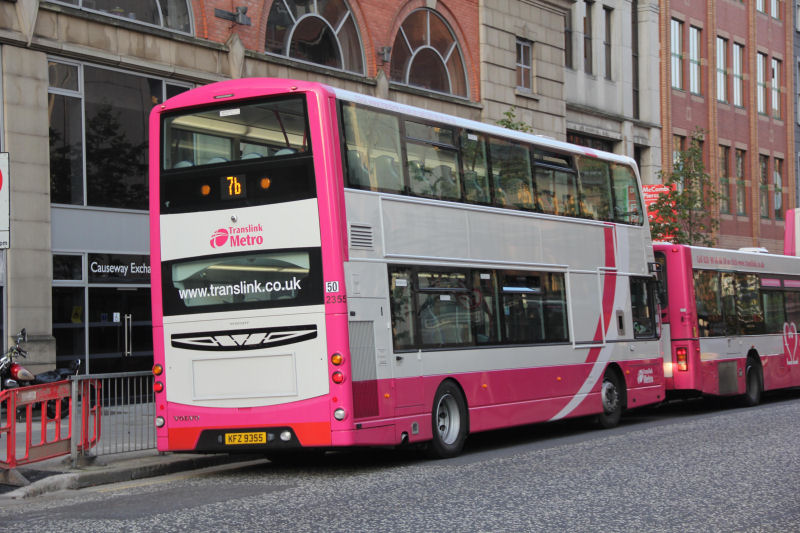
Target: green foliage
(510, 121)
(685, 215)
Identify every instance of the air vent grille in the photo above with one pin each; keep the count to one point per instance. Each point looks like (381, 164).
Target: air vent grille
(361, 237)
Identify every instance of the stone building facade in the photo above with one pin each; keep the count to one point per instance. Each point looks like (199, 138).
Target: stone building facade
(77, 81)
(611, 80)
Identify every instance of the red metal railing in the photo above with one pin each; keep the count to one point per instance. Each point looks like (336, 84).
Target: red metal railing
(36, 422)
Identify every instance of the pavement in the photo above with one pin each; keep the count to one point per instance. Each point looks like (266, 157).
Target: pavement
(58, 473)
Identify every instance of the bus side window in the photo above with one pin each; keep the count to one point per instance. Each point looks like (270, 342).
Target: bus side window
(793, 307)
(774, 311)
(748, 304)
(709, 308)
(372, 145)
(627, 208)
(511, 173)
(402, 308)
(662, 290)
(642, 309)
(595, 183)
(476, 173)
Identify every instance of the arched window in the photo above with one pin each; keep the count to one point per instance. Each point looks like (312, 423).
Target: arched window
(318, 31)
(426, 54)
(170, 14)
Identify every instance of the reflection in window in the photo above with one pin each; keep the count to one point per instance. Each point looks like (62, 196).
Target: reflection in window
(426, 54)
(709, 307)
(556, 187)
(511, 174)
(443, 307)
(402, 309)
(627, 207)
(171, 14)
(245, 131)
(774, 313)
(595, 179)
(476, 173)
(264, 278)
(432, 167)
(534, 308)
(748, 304)
(102, 114)
(642, 309)
(323, 32)
(373, 149)
(434, 308)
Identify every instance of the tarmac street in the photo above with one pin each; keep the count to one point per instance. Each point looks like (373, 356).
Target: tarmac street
(691, 466)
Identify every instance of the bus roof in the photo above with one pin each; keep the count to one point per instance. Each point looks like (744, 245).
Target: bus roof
(737, 260)
(474, 125)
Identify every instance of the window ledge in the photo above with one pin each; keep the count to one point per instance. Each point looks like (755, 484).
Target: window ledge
(530, 95)
(433, 94)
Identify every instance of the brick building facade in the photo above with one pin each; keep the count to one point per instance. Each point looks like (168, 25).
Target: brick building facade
(725, 69)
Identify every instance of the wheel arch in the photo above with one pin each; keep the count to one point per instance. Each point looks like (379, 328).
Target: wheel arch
(457, 384)
(615, 368)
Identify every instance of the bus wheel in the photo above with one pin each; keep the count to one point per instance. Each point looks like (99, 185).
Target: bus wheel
(449, 422)
(753, 384)
(612, 396)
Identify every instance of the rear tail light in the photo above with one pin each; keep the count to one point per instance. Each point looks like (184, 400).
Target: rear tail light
(682, 358)
(158, 386)
(337, 377)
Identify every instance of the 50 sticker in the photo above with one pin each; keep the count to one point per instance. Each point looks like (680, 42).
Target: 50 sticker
(331, 286)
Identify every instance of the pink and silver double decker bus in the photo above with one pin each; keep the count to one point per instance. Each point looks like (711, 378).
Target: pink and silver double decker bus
(729, 321)
(331, 269)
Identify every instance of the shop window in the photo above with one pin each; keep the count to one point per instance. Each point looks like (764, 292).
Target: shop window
(170, 14)
(426, 54)
(98, 134)
(69, 324)
(323, 32)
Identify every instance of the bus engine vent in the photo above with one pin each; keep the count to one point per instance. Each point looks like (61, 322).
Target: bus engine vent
(365, 372)
(361, 237)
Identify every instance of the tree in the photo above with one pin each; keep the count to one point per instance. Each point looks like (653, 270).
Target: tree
(685, 214)
(510, 121)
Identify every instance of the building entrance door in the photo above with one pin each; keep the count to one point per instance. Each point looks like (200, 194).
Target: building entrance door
(120, 329)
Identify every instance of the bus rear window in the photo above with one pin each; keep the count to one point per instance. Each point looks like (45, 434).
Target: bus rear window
(237, 132)
(243, 281)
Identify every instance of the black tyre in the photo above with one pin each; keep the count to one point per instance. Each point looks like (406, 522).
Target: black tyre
(449, 422)
(754, 384)
(612, 395)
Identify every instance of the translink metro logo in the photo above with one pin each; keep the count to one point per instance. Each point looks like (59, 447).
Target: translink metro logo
(235, 237)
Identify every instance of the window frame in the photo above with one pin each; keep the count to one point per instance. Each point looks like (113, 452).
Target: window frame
(722, 73)
(80, 94)
(524, 69)
(78, 4)
(695, 60)
(676, 54)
